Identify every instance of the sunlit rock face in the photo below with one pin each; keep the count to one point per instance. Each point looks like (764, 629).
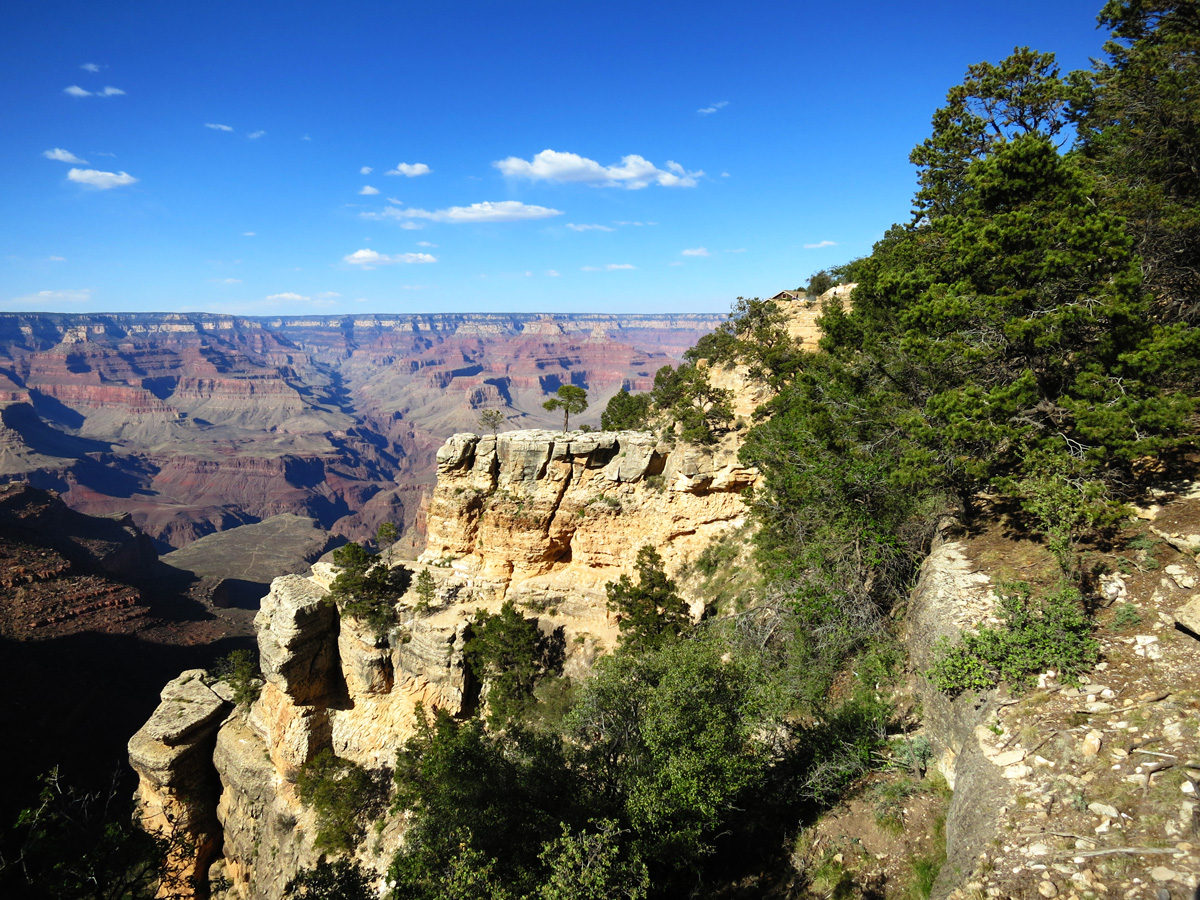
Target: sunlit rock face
(547, 519)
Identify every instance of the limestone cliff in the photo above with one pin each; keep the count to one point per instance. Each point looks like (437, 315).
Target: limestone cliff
(547, 519)
(540, 517)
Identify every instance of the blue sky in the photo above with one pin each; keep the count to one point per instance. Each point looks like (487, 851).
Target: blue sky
(271, 158)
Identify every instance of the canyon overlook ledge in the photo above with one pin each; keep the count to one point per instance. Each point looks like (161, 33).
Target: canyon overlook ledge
(539, 517)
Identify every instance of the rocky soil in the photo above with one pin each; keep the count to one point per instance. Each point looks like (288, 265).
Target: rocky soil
(1074, 791)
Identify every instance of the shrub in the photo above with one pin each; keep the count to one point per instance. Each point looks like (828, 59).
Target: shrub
(1053, 633)
(368, 587)
(241, 672)
(511, 655)
(651, 611)
(345, 796)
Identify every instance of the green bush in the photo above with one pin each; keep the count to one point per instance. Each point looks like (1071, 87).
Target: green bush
(1051, 633)
(368, 588)
(509, 653)
(650, 612)
(240, 671)
(626, 412)
(345, 797)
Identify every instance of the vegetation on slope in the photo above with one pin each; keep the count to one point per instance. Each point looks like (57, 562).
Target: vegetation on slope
(1028, 335)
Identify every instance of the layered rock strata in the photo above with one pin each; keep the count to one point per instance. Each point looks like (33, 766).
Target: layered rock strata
(547, 519)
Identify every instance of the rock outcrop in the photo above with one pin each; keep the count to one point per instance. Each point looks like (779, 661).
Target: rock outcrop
(177, 786)
(547, 519)
(538, 517)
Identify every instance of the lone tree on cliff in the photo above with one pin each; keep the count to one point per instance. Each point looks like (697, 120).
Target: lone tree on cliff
(570, 399)
(491, 420)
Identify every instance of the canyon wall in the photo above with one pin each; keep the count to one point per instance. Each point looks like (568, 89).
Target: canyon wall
(195, 423)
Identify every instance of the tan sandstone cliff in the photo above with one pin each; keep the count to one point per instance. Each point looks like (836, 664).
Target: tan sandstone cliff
(539, 517)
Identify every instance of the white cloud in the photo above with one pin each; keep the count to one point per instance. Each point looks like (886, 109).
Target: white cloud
(589, 227)
(249, 233)
(412, 226)
(638, 224)
(101, 180)
(90, 67)
(61, 155)
(365, 170)
(551, 273)
(394, 200)
(501, 211)
(528, 274)
(287, 295)
(325, 295)
(56, 259)
(820, 245)
(675, 263)
(76, 91)
(698, 251)
(368, 191)
(634, 171)
(425, 244)
(369, 259)
(709, 110)
(611, 267)
(216, 126)
(306, 138)
(724, 174)
(44, 298)
(411, 170)
(255, 135)
(226, 280)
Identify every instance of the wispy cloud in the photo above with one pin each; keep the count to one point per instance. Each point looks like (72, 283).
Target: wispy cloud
(369, 259)
(255, 135)
(633, 173)
(551, 273)
(737, 250)
(90, 67)
(56, 259)
(100, 180)
(637, 224)
(501, 211)
(425, 244)
(226, 280)
(709, 110)
(820, 245)
(76, 91)
(368, 191)
(249, 233)
(574, 227)
(61, 155)
(611, 267)
(286, 295)
(410, 170)
(365, 170)
(698, 251)
(53, 298)
(217, 126)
